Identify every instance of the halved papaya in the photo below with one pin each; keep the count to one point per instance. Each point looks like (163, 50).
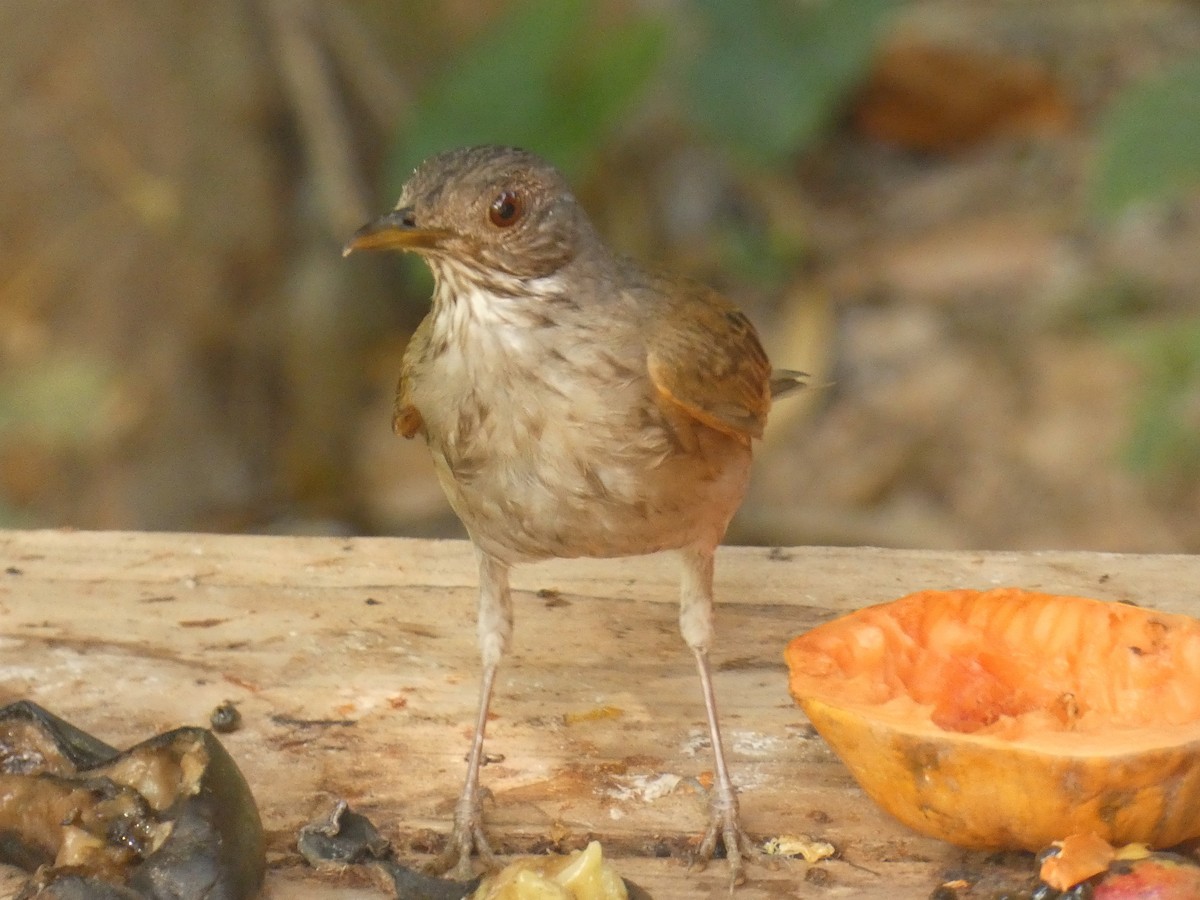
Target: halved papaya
(1009, 718)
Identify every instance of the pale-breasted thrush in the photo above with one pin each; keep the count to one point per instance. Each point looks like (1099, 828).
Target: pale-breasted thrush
(576, 404)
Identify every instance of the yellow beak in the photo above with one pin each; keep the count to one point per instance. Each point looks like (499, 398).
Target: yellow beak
(395, 231)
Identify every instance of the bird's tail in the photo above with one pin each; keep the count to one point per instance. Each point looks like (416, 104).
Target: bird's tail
(786, 381)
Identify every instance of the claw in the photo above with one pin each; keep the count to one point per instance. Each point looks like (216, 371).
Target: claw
(466, 838)
(724, 826)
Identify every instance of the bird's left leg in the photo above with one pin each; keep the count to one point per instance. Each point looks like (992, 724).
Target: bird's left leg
(696, 624)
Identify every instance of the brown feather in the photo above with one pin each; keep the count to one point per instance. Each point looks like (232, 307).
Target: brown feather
(406, 418)
(407, 422)
(708, 362)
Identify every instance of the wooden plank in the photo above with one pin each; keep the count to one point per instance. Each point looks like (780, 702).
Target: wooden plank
(353, 662)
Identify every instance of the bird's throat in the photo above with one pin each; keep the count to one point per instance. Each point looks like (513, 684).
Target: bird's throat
(470, 309)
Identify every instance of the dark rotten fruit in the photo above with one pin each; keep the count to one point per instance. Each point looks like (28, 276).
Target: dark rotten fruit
(169, 818)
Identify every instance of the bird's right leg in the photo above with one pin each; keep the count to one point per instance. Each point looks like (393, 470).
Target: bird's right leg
(495, 633)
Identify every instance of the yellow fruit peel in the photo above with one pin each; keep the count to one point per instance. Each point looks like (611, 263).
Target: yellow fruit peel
(583, 875)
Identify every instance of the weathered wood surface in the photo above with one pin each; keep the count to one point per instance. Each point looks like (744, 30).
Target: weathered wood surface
(353, 662)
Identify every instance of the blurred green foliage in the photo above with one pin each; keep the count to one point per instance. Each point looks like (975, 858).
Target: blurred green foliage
(1165, 440)
(58, 402)
(543, 77)
(759, 253)
(1148, 151)
(1148, 147)
(772, 75)
(765, 81)
(56, 405)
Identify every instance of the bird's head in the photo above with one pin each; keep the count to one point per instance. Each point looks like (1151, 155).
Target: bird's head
(492, 213)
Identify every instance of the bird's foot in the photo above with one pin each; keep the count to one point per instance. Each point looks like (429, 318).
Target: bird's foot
(466, 838)
(725, 827)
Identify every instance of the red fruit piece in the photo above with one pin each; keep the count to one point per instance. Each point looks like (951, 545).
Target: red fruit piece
(1157, 877)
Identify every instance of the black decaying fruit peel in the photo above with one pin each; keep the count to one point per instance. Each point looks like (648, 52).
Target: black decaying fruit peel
(171, 817)
(344, 838)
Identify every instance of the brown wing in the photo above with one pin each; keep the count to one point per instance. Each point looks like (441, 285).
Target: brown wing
(406, 420)
(705, 361)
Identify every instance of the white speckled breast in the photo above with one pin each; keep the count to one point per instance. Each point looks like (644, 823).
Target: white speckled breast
(538, 461)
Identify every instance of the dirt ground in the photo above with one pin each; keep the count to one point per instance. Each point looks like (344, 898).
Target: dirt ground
(182, 346)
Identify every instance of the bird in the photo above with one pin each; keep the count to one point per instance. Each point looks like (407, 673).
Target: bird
(576, 404)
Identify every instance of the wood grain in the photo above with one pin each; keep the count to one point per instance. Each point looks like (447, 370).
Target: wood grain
(353, 662)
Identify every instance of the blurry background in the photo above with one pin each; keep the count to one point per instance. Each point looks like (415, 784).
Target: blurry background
(976, 222)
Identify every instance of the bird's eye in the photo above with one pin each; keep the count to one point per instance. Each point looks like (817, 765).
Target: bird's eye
(506, 209)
